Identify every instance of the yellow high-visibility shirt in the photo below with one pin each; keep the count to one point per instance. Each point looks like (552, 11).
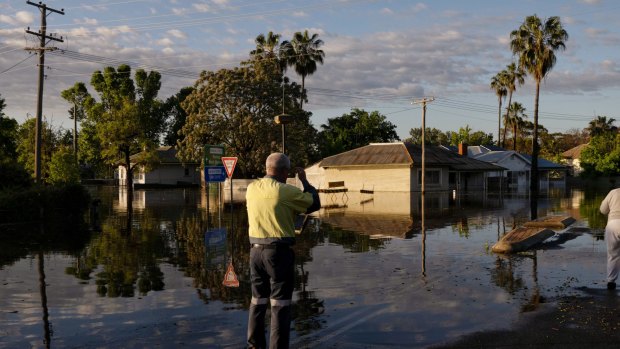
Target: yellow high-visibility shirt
(272, 208)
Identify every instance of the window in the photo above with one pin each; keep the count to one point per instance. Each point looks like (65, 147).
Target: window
(431, 177)
(186, 172)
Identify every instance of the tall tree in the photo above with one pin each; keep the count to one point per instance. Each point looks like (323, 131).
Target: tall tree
(601, 125)
(535, 43)
(235, 107)
(302, 53)
(127, 119)
(355, 129)
(80, 100)
(8, 135)
(175, 115)
(268, 49)
(516, 115)
(498, 85)
(513, 75)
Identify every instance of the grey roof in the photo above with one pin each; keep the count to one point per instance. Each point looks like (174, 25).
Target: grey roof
(406, 154)
(497, 156)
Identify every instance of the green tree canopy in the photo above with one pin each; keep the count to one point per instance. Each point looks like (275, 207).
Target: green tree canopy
(175, 115)
(601, 125)
(602, 155)
(433, 136)
(466, 136)
(62, 167)
(8, 135)
(355, 129)
(128, 118)
(236, 108)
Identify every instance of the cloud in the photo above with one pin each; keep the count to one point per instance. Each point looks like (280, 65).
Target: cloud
(299, 14)
(164, 42)
(590, 2)
(202, 7)
(175, 33)
(179, 11)
(86, 21)
(20, 18)
(386, 11)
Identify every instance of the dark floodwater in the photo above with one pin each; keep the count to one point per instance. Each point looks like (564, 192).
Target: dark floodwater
(367, 274)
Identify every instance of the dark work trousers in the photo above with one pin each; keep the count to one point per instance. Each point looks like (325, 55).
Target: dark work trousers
(272, 271)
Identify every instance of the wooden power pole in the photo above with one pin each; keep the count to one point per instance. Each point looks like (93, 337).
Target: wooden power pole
(423, 101)
(44, 39)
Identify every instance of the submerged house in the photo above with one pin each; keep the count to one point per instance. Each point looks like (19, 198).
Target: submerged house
(170, 171)
(397, 167)
(518, 167)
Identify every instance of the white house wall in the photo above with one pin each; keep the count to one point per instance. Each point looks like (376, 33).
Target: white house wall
(377, 178)
(171, 175)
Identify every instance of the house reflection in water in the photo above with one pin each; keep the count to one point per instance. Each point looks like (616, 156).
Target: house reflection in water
(397, 214)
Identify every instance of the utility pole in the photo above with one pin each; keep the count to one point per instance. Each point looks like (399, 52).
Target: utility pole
(44, 39)
(423, 101)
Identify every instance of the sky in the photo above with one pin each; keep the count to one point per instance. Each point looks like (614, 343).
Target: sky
(379, 54)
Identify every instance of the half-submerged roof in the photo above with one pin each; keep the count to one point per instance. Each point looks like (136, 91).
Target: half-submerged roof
(399, 153)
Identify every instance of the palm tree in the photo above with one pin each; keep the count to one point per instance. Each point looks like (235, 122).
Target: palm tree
(513, 75)
(498, 84)
(79, 97)
(535, 44)
(516, 119)
(268, 48)
(302, 53)
(601, 125)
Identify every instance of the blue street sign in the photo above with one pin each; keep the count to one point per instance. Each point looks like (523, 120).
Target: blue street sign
(215, 174)
(215, 247)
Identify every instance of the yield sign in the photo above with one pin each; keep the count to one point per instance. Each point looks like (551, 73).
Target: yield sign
(230, 279)
(229, 165)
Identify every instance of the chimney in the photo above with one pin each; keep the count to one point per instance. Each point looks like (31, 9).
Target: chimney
(463, 149)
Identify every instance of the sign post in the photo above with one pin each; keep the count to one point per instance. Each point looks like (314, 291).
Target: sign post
(212, 155)
(229, 164)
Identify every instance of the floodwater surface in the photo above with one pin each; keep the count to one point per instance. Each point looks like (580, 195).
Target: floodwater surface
(370, 272)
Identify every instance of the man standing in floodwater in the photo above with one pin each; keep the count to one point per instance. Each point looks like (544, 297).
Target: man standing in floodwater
(611, 207)
(272, 207)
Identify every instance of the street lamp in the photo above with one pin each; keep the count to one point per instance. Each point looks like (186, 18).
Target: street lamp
(283, 119)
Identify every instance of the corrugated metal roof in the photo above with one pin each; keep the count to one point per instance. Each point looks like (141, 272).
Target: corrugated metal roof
(406, 154)
(372, 154)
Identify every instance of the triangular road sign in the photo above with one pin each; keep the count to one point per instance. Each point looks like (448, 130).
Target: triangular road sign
(229, 165)
(230, 279)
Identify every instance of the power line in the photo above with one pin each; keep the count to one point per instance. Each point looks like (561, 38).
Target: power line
(15, 65)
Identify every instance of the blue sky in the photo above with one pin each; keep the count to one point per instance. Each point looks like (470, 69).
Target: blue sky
(379, 55)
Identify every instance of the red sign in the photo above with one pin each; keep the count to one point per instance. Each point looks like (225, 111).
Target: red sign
(229, 165)
(230, 279)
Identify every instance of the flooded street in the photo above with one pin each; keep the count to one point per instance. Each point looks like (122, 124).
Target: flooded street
(367, 274)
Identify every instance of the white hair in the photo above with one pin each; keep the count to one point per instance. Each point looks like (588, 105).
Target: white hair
(278, 161)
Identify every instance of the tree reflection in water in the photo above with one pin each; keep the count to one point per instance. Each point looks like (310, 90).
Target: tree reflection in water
(127, 253)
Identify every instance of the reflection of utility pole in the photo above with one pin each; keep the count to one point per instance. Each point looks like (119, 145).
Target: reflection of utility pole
(423, 101)
(41, 51)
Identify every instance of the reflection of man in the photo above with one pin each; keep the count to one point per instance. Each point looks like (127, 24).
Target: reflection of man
(272, 208)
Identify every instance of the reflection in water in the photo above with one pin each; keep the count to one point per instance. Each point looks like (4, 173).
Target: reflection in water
(351, 262)
(47, 336)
